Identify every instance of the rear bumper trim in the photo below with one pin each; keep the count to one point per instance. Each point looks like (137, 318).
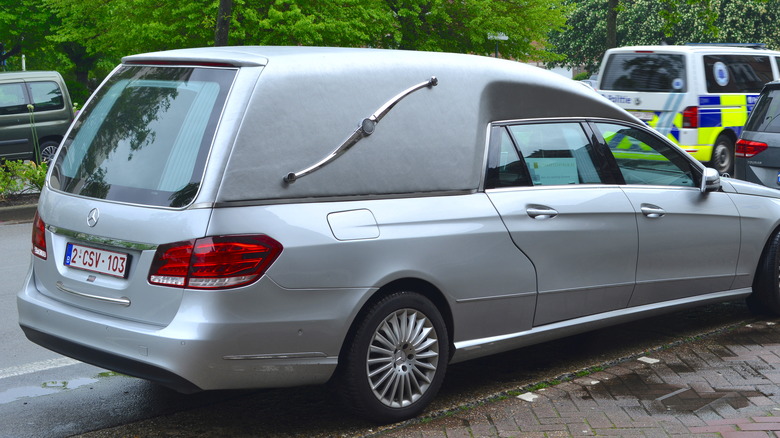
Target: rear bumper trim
(110, 361)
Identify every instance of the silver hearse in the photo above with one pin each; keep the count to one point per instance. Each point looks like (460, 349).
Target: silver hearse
(253, 217)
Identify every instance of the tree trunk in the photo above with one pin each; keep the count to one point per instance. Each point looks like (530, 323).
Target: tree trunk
(612, 6)
(223, 23)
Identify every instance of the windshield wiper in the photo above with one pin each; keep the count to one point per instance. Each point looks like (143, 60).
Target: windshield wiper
(365, 129)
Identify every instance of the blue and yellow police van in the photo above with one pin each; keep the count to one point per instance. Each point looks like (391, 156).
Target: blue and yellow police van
(697, 95)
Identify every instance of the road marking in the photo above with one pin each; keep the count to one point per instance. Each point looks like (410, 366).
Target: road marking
(35, 367)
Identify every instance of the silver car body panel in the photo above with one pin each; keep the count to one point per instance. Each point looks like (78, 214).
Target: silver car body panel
(403, 208)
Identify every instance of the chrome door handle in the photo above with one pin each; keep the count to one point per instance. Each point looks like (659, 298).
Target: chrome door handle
(541, 212)
(652, 211)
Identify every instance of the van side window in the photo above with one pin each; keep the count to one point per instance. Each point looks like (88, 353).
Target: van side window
(12, 100)
(645, 159)
(556, 153)
(736, 73)
(46, 96)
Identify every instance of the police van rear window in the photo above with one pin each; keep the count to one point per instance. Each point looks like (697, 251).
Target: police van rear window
(641, 71)
(145, 137)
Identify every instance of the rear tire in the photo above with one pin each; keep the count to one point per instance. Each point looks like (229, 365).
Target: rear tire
(48, 149)
(723, 155)
(766, 286)
(396, 360)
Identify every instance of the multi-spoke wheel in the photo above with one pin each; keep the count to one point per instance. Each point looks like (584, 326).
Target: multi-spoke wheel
(48, 149)
(766, 286)
(397, 360)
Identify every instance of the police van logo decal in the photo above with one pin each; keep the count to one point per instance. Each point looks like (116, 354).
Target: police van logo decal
(721, 73)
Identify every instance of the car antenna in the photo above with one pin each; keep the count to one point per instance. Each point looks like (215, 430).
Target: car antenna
(364, 129)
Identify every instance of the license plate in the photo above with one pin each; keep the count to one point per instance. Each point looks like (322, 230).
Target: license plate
(644, 116)
(97, 260)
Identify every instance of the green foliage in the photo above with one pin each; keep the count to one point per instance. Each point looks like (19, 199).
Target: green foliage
(581, 76)
(19, 177)
(84, 40)
(583, 42)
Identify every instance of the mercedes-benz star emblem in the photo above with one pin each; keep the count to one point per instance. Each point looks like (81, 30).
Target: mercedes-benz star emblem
(93, 217)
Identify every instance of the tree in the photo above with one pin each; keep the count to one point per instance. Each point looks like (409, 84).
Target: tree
(88, 38)
(463, 26)
(652, 22)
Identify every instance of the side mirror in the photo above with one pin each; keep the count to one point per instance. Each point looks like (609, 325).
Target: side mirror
(710, 180)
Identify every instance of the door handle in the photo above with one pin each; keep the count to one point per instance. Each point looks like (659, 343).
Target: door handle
(541, 212)
(652, 211)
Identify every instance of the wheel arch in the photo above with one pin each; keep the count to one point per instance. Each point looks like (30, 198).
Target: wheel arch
(425, 288)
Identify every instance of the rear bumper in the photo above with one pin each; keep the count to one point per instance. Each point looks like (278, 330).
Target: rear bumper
(195, 352)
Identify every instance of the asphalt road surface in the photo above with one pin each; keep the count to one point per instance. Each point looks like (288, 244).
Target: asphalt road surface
(43, 394)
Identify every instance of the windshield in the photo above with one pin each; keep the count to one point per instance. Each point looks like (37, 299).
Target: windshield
(655, 72)
(145, 137)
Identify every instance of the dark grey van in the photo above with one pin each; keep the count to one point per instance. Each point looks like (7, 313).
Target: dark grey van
(35, 107)
(758, 149)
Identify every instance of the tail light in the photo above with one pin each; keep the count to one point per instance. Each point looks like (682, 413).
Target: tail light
(39, 237)
(747, 148)
(690, 117)
(219, 262)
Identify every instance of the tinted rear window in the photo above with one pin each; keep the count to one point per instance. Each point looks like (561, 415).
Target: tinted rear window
(736, 73)
(656, 72)
(766, 115)
(145, 137)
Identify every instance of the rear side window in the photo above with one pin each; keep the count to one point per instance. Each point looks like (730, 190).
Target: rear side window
(12, 100)
(736, 73)
(542, 154)
(655, 72)
(766, 115)
(145, 137)
(46, 96)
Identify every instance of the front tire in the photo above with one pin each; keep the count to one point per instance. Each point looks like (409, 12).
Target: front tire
(723, 155)
(766, 286)
(397, 358)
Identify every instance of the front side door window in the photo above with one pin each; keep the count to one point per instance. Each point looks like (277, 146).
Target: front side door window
(643, 159)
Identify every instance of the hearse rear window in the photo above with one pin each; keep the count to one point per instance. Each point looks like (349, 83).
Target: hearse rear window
(146, 136)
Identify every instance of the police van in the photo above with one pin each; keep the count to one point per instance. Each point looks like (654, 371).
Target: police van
(699, 95)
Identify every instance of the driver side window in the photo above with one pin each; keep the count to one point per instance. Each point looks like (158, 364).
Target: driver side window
(643, 159)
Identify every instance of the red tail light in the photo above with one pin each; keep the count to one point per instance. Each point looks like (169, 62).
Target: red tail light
(219, 262)
(39, 237)
(747, 148)
(690, 117)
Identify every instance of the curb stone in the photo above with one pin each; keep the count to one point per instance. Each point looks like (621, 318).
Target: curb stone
(725, 384)
(17, 214)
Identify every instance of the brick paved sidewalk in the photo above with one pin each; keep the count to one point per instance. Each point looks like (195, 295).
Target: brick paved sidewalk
(726, 385)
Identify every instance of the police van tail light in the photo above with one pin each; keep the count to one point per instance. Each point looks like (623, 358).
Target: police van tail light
(747, 148)
(219, 262)
(690, 117)
(39, 237)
